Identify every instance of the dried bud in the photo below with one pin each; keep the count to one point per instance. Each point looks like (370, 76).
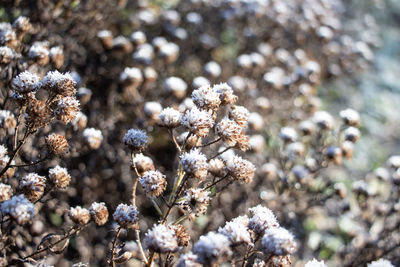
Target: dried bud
(196, 201)
(80, 121)
(66, 109)
(307, 127)
(126, 216)
(169, 118)
(136, 140)
(5, 192)
(269, 171)
(212, 248)
(334, 154)
(7, 120)
(153, 182)
(350, 117)
(59, 176)
(288, 134)
(217, 167)
(25, 82)
(197, 121)
(181, 234)
(351, 134)
(99, 213)
(176, 86)
(324, 120)
(22, 25)
(106, 38)
(206, 98)
(240, 169)
(347, 149)
(278, 241)
(32, 185)
(39, 52)
(195, 163)
(39, 113)
(57, 144)
(229, 131)
(93, 138)
(240, 115)
(6, 55)
(58, 83)
(143, 163)
(161, 239)
(225, 94)
(79, 215)
(152, 110)
(19, 208)
(57, 56)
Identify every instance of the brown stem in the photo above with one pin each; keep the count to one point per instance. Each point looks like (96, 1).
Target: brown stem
(222, 152)
(114, 245)
(216, 182)
(210, 143)
(171, 133)
(139, 243)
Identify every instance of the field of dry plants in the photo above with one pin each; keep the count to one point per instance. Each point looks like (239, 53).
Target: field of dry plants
(194, 133)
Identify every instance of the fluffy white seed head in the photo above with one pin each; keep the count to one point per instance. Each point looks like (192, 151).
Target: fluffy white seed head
(93, 137)
(19, 208)
(153, 182)
(262, 218)
(135, 139)
(161, 239)
(197, 121)
(278, 241)
(25, 82)
(126, 215)
(195, 163)
(169, 117)
(211, 248)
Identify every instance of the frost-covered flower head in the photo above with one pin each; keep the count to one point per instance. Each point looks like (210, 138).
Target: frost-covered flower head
(6, 54)
(176, 86)
(239, 114)
(143, 163)
(288, 134)
(99, 213)
(153, 182)
(278, 241)
(22, 24)
(262, 218)
(25, 82)
(7, 119)
(66, 109)
(138, 37)
(350, 117)
(195, 163)
(131, 76)
(57, 144)
(213, 69)
(5, 192)
(59, 176)
(200, 81)
(32, 185)
(211, 248)
(3, 151)
(126, 215)
(229, 131)
(225, 93)
(79, 215)
(169, 117)
(59, 83)
(93, 137)
(19, 208)
(351, 134)
(197, 121)
(39, 51)
(323, 119)
(161, 239)
(240, 169)
(206, 98)
(135, 139)
(307, 127)
(169, 52)
(315, 263)
(80, 121)
(256, 121)
(196, 201)
(236, 231)
(152, 109)
(189, 260)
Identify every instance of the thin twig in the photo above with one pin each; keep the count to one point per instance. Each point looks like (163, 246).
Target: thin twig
(114, 245)
(139, 243)
(220, 153)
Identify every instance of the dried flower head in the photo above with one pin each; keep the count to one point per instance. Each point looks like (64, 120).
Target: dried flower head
(261, 218)
(152, 110)
(126, 216)
(57, 56)
(6, 55)
(240, 169)
(380, 263)
(143, 163)
(334, 154)
(288, 134)
(22, 25)
(161, 239)
(324, 120)
(278, 241)
(135, 139)
(347, 149)
(351, 134)
(25, 82)
(32, 185)
(57, 144)
(225, 94)
(7, 120)
(169, 118)
(59, 176)
(59, 83)
(93, 137)
(39, 52)
(236, 232)
(195, 163)
(131, 76)
(153, 182)
(99, 213)
(79, 215)
(206, 98)
(39, 113)
(181, 234)
(80, 121)
(196, 201)
(176, 86)
(229, 131)
(393, 162)
(217, 167)
(307, 127)
(19, 208)
(66, 109)
(189, 260)
(197, 121)
(211, 248)
(350, 117)
(239, 114)
(5, 192)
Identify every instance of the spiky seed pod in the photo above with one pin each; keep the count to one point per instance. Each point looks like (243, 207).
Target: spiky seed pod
(59, 176)
(135, 139)
(153, 182)
(195, 164)
(19, 208)
(278, 241)
(240, 169)
(5, 192)
(181, 234)
(57, 144)
(126, 216)
(59, 83)
(79, 215)
(32, 185)
(99, 213)
(93, 138)
(161, 239)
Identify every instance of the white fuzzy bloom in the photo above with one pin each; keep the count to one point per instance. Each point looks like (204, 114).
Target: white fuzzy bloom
(213, 69)
(161, 239)
(212, 247)
(93, 137)
(195, 163)
(206, 98)
(262, 218)
(380, 263)
(315, 263)
(240, 169)
(152, 109)
(133, 75)
(126, 215)
(200, 81)
(350, 117)
(25, 82)
(197, 121)
(138, 37)
(239, 114)
(278, 241)
(323, 119)
(288, 134)
(153, 182)
(135, 139)
(176, 86)
(189, 260)
(256, 122)
(19, 208)
(236, 232)
(169, 117)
